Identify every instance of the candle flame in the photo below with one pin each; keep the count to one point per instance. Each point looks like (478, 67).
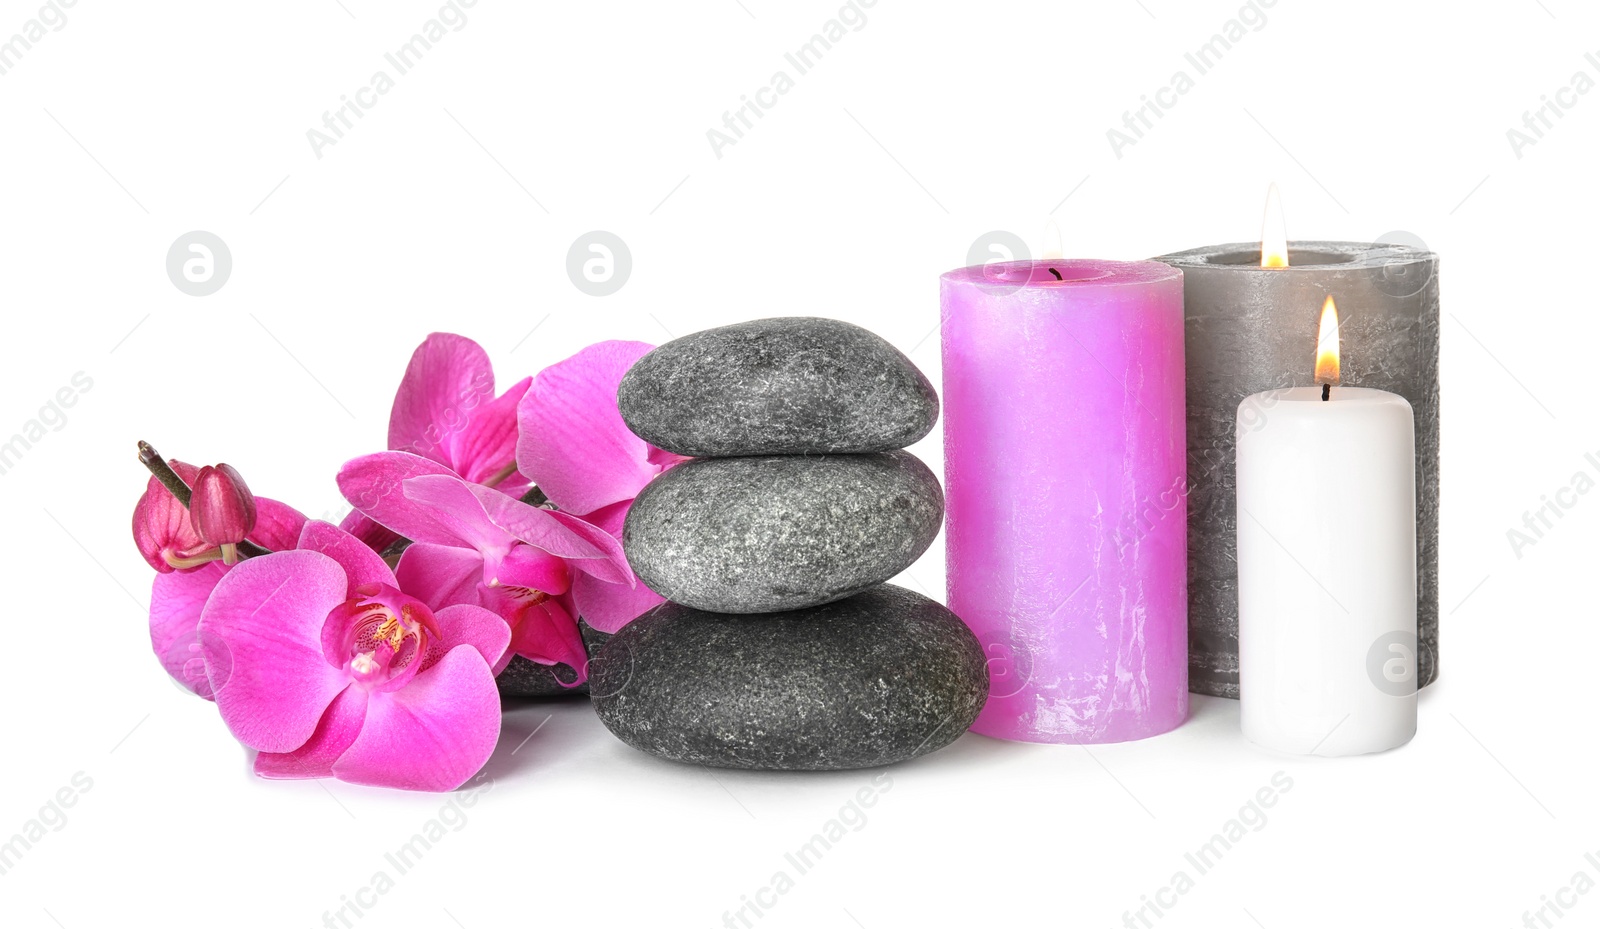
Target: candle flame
(1328, 344)
(1274, 235)
(1052, 241)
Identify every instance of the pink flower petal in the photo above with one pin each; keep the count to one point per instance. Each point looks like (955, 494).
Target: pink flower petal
(607, 606)
(464, 624)
(546, 633)
(449, 376)
(261, 635)
(374, 485)
(586, 547)
(534, 569)
(440, 575)
(488, 443)
(336, 731)
(361, 564)
(176, 599)
(278, 525)
(458, 514)
(365, 528)
(611, 518)
(432, 734)
(573, 442)
(446, 411)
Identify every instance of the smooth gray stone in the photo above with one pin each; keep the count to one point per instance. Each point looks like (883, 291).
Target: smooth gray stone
(781, 532)
(524, 678)
(881, 677)
(783, 386)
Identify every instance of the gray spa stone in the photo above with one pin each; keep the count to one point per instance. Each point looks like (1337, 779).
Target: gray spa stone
(884, 676)
(783, 386)
(781, 532)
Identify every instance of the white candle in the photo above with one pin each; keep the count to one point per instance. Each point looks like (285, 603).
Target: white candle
(1327, 569)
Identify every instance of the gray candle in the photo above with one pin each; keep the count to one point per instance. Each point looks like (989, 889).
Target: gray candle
(1249, 329)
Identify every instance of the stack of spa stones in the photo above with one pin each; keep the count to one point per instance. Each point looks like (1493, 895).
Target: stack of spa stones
(781, 647)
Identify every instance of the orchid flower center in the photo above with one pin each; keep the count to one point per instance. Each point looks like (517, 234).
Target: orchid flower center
(380, 637)
(526, 595)
(527, 573)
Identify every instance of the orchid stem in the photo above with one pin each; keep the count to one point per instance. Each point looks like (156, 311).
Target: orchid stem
(501, 475)
(150, 458)
(392, 552)
(157, 465)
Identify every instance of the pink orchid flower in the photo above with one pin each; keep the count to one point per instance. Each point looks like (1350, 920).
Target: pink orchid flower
(320, 662)
(574, 445)
(446, 411)
(473, 544)
(189, 568)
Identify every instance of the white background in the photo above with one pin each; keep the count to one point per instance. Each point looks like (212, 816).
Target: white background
(451, 205)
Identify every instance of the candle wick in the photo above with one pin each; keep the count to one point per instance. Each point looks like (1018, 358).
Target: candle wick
(1056, 273)
(1326, 389)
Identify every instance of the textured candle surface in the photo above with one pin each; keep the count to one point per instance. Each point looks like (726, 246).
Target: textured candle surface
(1065, 488)
(1327, 571)
(1250, 329)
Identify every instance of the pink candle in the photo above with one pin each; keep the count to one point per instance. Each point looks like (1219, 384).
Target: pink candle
(1065, 489)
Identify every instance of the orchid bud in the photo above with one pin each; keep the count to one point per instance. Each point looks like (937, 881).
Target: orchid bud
(222, 510)
(161, 527)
